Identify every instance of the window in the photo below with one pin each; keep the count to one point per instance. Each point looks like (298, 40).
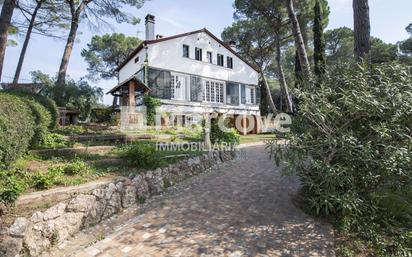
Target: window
(250, 95)
(209, 57)
(213, 92)
(229, 62)
(198, 54)
(220, 60)
(186, 51)
(136, 60)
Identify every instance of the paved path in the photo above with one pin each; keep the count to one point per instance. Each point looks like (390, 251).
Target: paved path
(243, 209)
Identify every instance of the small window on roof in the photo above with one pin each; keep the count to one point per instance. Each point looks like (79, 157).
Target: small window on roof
(136, 60)
(186, 51)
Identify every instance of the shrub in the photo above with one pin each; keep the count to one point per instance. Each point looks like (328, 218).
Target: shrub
(351, 147)
(71, 130)
(11, 186)
(48, 103)
(16, 128)
(218, 136)
(102, 115)
(45, 180)
(42, 120)
(76, 167)
(151, 104)
(141, 154)
(54, 140)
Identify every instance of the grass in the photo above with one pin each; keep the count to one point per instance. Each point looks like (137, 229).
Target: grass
(256, 138)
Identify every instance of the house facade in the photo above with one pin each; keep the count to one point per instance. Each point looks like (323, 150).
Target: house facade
(194, 73)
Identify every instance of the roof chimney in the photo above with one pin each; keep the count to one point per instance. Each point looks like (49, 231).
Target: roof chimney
(232, 45)
(150, 27)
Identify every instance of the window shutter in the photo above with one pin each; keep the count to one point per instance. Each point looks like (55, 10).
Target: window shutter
(258, 95)
(243, 93)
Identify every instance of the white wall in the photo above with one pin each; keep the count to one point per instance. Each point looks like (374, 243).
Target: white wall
(131, 67)
(169, 55)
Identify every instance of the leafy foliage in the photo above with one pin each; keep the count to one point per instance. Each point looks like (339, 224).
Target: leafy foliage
(351, 146)
(141, 154)
(104, 54)
(217, 136)
(76, 94)
(151, 104)
(54, 140)
(16, 128)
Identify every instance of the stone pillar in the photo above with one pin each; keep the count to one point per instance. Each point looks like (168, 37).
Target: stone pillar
(132, 99)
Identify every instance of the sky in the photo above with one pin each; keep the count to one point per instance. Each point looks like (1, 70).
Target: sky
(388, 22)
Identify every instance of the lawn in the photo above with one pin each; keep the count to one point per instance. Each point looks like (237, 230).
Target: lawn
(256, 138)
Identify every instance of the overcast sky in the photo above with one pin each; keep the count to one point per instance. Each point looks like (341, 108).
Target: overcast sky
(388, 22)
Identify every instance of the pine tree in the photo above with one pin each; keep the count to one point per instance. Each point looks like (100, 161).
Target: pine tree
(319, 42)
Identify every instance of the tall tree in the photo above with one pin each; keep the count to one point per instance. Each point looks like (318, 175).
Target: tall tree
(299, 43)
(92, 10)
(44, 18)
(5, 20)
(319, 42)
(104, 54)
(361, 26)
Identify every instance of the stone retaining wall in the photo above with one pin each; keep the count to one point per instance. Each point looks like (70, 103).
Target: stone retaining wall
(31, 237)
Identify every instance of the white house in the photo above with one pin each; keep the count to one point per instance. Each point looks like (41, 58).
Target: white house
(195, 72)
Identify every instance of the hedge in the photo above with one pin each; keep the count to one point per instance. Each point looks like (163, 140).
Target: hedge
(17, 128)
(48, 103)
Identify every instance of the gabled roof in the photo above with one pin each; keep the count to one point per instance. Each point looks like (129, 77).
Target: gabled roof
(149, 42)
(132, 78)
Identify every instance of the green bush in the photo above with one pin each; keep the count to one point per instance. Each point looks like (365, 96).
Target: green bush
(71, 130)
(11, 187)
(42, 120)
(76, 167)
(151, 104)
(141, 154)
(218, 136)
(351, 147)
(48, 103)
(16, 128)
(102, 115)
(54, 140)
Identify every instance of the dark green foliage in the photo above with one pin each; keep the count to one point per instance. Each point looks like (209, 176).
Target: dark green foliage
(78, 95)
(16, 128)
(10, 187)
(48, 103)
(351, 147)
(319, 42)
(104, 54)
(54, 140)
(151, 104)
(217, 136)
(103, 115)
(140, 154)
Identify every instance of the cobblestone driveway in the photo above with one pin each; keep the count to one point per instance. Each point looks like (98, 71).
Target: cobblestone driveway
(243, 209)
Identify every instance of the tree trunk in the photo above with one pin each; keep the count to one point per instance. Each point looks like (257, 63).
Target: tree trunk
(361, 28)
(269, 94)
(26, 42)
(5, 19)
(282, 79)
(61, 79)
(299, 43)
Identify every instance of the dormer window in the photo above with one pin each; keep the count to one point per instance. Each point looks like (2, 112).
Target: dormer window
(186, 51)
(220, 60)
(198, 54)
(229, 62)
